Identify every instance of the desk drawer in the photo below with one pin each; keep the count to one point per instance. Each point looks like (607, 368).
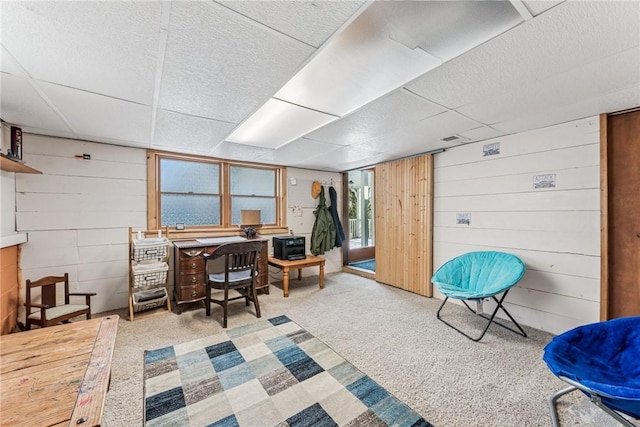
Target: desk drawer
(191, 254)
(192, 292)
(191, 265)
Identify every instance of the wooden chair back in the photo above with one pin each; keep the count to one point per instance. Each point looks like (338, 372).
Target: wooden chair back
(44, 316)
(238, 257)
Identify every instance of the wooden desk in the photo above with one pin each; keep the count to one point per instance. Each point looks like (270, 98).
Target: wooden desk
(189, 281)
(57, 375)
(310, 261)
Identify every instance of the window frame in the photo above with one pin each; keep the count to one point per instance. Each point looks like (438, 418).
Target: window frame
(154, 220)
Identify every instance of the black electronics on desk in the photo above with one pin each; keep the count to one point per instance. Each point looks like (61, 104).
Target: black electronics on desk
(289, 247)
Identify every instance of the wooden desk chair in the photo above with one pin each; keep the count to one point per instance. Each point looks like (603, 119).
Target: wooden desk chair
(47, 313)
(240, 274)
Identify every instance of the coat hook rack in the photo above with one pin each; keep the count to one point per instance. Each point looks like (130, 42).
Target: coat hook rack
(325, 182)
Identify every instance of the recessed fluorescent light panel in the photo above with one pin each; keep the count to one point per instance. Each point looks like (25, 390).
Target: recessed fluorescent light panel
(388, 45)
(277, 123)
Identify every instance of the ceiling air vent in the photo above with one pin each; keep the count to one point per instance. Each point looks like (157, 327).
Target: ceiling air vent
(451, 138)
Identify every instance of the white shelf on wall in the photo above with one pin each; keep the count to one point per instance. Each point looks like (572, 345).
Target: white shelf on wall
(12, 240)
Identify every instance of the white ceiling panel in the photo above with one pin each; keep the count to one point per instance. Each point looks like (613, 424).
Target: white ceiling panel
(103, 70)
(609, 103)
(298, 150)
(342, 159)
(307, 21)
(392, 111)
(188, 134)
(221, 65)
(612, 74)
(103, 47)
(92, 115)
(21, 104)
(421, 136)
(567, 36)
(536, 7)
(246, 153)
(9, 65)
(482, 133)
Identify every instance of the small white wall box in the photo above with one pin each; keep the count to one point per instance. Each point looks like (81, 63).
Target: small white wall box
(250, 217)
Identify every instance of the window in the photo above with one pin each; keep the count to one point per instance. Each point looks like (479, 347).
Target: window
(253, 188)
(209, 193)
(189, 193)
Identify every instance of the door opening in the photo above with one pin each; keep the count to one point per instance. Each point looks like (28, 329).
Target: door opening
(361, 224)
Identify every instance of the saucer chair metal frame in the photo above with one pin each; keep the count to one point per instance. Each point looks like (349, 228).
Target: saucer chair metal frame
(561, 356)
(486, 274)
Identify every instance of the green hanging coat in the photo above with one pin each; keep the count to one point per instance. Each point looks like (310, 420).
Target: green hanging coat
(323, 236)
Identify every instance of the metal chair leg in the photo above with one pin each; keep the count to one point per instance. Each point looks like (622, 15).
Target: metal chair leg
(593, 396)
(490, 319)
(552, 404)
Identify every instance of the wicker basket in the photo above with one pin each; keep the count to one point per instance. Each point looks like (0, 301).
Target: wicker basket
(150, 298)
(149, 275)
(150, 249)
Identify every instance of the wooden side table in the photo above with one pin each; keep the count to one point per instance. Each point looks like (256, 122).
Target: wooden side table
(285, 266)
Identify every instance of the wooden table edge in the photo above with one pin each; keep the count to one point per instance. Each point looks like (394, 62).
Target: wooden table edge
(92, 392)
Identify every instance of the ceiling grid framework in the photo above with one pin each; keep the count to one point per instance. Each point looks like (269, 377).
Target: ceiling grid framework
(183, 76)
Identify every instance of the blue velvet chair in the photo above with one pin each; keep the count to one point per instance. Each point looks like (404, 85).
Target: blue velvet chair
(476, 276)
(603, 361)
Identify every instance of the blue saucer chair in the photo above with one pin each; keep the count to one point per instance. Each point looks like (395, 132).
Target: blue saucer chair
(476, 276)
(603, 361)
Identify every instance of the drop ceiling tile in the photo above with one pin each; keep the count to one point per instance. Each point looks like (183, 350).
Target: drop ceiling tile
(233, 151)
(222, 65)
(80, 44)
(21, 104)
(9, 65)
(343, 159)
(393, 111)
(609, 103)
(309, 22)
(536, 7)
(482, 133)
(569, 35)
(295, 151)
(421, 136)
(188, 134)
(604, 75)
(92, 115)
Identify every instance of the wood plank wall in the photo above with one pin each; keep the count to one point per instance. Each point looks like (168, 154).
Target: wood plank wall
(556, 231)
(403, 205)
(77, 214)
(8, 289)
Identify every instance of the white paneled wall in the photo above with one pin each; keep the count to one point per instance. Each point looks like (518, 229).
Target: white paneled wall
(303, 225)
(77, 214)
(556, 231)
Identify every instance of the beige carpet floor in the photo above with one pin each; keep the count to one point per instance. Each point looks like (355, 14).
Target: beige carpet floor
(391, 335)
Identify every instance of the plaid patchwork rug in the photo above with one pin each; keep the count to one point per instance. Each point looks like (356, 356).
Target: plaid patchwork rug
(269, 373)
